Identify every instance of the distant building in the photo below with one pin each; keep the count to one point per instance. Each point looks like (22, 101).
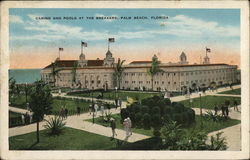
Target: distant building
(97, 74)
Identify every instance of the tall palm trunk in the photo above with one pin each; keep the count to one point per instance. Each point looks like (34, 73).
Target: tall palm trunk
(152, 81)
(37, 131)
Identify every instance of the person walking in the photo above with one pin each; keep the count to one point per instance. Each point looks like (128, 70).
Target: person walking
(116, 103)
(96, 108)
(78, 110)
(30, 116)
(23, 119)
(113, 126)
(129, 126)
(120, 103)
(223, 110)
(216, 110)
(236, 105)
(66, 112)
(125, 126)
(26, 117)
(102, 110)
(90, 109)
(227, 110)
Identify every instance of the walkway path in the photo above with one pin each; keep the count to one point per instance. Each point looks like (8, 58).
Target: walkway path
(78, 122)
(18, 110)
(231, 133)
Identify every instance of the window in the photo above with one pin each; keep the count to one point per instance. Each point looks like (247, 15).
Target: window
(187, 74)
(162, 82)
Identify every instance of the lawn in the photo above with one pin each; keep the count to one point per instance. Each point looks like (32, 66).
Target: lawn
(14, 114)
(208, 125)
(209, 102)
(70, 104)
(71, 139)
(122, 94)
(235, 92)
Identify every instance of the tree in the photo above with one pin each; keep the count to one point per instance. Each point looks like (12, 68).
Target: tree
(12, 88)
(54, 72)
(74, 72)
(40, 102)
(118, 71)
(154, 69)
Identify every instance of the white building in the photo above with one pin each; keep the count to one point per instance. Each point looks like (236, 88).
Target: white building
(96, 74)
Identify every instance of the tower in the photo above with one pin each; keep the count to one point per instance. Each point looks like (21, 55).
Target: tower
(82, 61)
(108, 60)
(183, 58)
(206, 60)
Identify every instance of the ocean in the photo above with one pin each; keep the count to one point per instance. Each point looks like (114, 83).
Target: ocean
(25, 75)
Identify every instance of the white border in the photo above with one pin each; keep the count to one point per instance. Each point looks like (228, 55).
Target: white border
(6, 154)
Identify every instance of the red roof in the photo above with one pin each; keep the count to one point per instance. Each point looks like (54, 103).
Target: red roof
(95, 62)
(70, 63)
(138, 62)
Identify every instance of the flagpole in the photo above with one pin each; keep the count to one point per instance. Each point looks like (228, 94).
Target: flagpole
(108, 45)
(81, 47)
(59, 53)
(206, 51)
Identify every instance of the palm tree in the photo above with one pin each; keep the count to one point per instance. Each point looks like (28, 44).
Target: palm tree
(154, 69)
(74, 72)
(118, 71)
(54, 72)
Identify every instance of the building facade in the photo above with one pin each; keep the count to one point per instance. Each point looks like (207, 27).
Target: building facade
(99, 74)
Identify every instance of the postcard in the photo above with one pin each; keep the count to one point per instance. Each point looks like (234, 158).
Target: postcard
(125, 80)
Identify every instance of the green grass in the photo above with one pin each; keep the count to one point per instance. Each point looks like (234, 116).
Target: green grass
(14, 114)
(19, 101)
(122, 94)
(209, 126)
(71, 139)
(209, 102)
(70, 104)
(235, 92)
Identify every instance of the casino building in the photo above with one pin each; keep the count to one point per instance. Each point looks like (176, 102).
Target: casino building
(99, 73)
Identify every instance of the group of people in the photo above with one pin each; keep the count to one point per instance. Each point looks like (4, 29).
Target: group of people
(94, 108)
(64, 112)
(27, 118)
(225, 109)
(127, 125)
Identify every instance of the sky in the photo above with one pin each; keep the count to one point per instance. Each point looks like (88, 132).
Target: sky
(34, 41)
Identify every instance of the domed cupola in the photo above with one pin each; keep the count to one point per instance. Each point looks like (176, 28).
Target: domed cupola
(108, 60)
(183, 58)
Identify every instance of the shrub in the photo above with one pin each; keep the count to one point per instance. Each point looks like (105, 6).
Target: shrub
(146, 121)
(124, 114)
(156, 110)
(138, 119)
(55, 125)
(156, 121)
(144, 109)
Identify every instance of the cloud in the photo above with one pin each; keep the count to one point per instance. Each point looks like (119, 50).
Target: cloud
(180, 25)
(187, 25)
(15, 19)
(40, 37)
(49, 27)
